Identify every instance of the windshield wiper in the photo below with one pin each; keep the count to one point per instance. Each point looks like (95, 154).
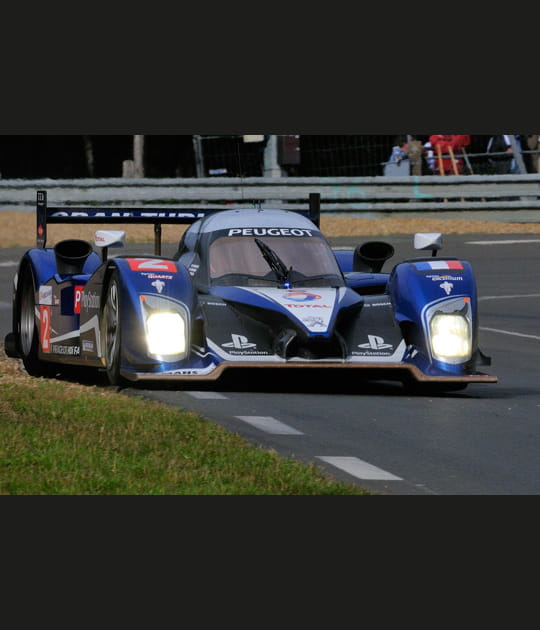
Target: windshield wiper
(275, 263)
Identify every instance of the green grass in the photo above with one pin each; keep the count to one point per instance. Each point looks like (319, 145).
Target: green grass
(61, 438)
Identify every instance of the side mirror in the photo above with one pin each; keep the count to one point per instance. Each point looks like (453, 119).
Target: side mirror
(109, 238)
(432, 242)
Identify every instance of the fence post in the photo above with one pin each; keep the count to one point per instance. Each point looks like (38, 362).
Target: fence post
(199, 157)
(518, 156)
(271, 165)
(138, 156)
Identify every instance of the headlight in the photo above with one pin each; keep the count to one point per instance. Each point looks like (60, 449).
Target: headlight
(450, 337)
(166, 334)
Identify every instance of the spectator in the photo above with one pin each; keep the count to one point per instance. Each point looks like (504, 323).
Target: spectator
(502, 161)
(445, 144)
(400, 150)
(533, 144)
(430, 161)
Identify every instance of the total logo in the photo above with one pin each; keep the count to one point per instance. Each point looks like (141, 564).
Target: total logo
(301, 296)
(239, 342)
(375, 343)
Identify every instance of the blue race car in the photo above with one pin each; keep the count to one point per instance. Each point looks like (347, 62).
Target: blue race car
(247, 289)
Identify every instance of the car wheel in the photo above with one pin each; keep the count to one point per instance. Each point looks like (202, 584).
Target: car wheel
(27, 330)
(111, 331)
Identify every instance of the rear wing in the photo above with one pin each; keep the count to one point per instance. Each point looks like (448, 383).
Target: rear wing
(151, 215)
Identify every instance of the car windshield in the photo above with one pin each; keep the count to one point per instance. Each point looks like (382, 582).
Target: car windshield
(239, 261)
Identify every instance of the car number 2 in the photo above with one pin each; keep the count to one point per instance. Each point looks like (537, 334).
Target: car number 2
(45, 328)
(151, 264)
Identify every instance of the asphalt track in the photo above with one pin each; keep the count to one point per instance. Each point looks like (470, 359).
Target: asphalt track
(482, 441)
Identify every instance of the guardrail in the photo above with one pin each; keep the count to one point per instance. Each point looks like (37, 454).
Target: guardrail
(338, 194)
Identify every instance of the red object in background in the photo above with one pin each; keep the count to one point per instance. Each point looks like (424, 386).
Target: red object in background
(456, 143)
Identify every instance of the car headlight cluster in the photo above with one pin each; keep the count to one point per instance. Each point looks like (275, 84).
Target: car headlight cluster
(166, 328)
(166, 334)
(450, 337)
(450, 331)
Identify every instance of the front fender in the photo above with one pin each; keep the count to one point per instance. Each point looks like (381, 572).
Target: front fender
(420, 288)
(149, 281)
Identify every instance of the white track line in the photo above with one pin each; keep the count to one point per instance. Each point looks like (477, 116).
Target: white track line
(269, 425)
(207, 395)
(505, 242)
(508, 297)
(508, 332)
(360, 469)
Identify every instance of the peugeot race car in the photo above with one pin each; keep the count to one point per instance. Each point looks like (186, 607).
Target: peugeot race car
(247, 288)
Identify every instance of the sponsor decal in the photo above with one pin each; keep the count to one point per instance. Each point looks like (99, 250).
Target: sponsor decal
(151, 264)
(291, 306)
(157, 276)
(443, 278)
(376, 344)
(447, 287)
(68, 350)
(298, 232)
(303, 304)
(45, 295)
(374, 304)
(191, 372)
(438, 265)
(77, 294)
(45, 328)
(88, 345)
(239, 342)
(314, 322)
(128, 214)
(301, 296)
(158, 285)
(192, 269)
(90, 300)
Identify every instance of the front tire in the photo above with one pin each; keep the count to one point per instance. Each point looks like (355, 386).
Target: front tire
(111, 330)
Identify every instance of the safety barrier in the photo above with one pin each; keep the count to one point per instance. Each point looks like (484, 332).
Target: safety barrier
(338, 194)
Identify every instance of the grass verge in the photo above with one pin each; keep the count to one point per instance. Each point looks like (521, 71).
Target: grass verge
(65, 438)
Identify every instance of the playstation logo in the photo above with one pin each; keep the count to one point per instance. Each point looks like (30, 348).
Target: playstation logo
(239, 342)
(375, 343)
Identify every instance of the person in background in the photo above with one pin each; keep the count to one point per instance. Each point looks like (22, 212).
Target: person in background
(501, 148)
(430, 161)
(445, 144)
(533, 144)
(400, 150)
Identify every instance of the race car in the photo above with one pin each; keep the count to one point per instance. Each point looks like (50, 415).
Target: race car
(247, 288)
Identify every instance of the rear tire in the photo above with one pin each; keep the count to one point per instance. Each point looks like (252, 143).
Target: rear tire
(27, 330)
(111, 332)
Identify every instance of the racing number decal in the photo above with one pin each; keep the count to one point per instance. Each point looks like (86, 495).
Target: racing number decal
(151, 264)
(45, 328)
